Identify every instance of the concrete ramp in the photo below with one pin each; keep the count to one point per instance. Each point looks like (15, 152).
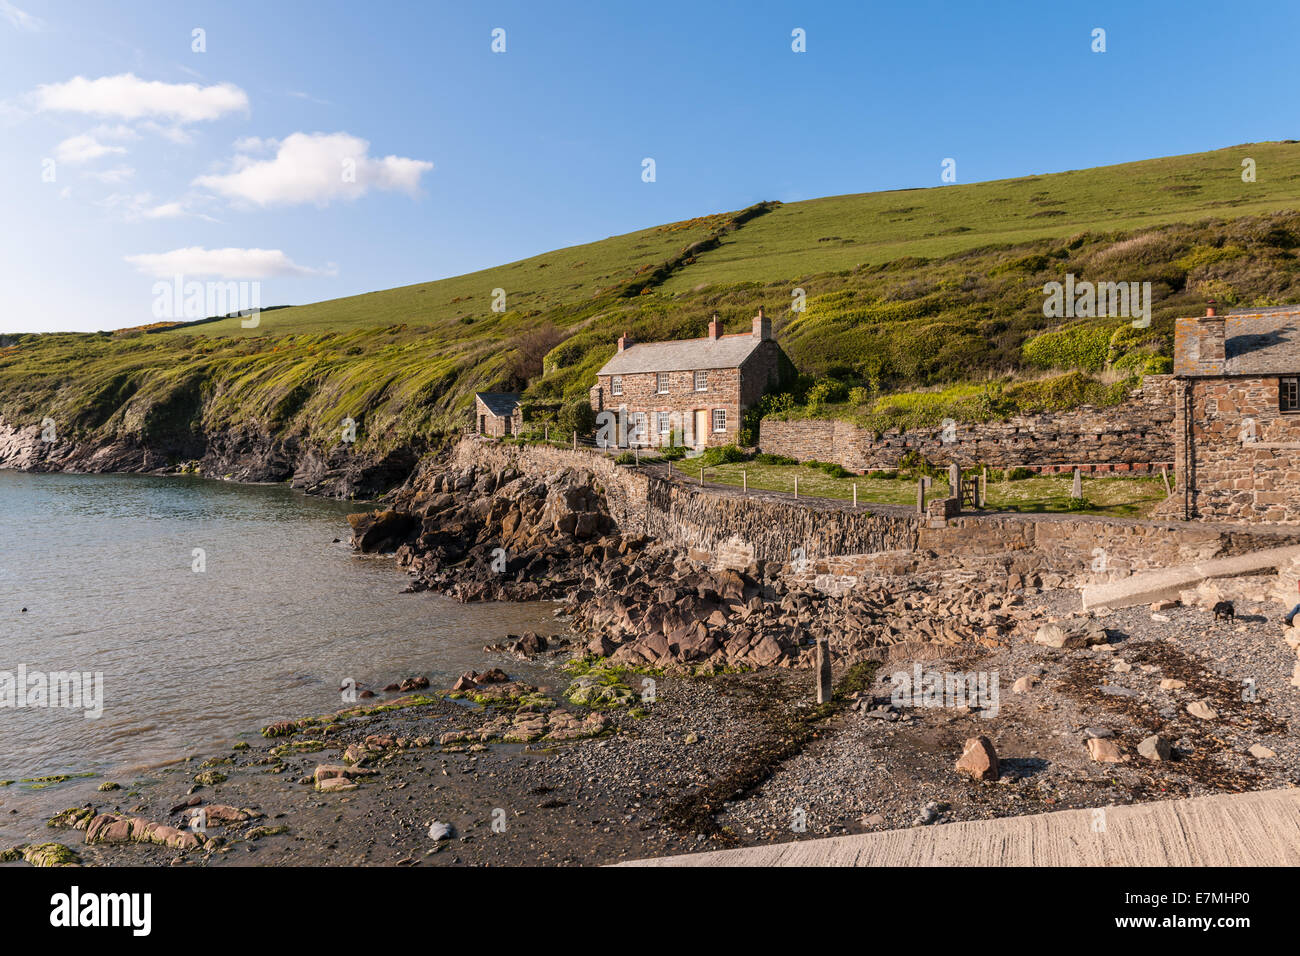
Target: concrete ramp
(1167, 583)
(1244, 829)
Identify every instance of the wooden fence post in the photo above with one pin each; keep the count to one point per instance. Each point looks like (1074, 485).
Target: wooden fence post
(1076, 486)
(855, 494)
(920, 496)
(796, 487)
(744, 480)
(575, 441)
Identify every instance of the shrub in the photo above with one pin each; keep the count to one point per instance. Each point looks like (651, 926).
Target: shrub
(576, 417)
(1081, 347)
(721, 455)
(627, 458)
(673, 452)
(763, 458)
(1019, 474)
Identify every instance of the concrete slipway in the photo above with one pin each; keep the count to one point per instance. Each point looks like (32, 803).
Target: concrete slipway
(1243, 829)
(1167, 583)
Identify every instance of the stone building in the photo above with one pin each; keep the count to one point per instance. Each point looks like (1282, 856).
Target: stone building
(698, 389)
(1237, 415)
(497, 414)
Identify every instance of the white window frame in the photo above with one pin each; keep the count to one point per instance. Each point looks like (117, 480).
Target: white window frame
(716, 427)
(616, 385)
(701, 381)
(661, 383)
(664, 423)
(1282, 388)
(638, 428)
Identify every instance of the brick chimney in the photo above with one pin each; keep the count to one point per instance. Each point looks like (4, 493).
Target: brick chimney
(1210, 344)
(625, 341)
(715, 328)
(762, 326)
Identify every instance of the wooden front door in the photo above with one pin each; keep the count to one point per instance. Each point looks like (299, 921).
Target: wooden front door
(701, 427)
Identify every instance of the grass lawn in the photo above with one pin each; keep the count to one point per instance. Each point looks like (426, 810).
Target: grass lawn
(1117, 497)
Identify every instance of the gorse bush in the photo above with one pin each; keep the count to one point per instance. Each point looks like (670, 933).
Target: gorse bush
(1083, 347)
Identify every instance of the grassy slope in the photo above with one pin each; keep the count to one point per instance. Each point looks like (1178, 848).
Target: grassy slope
(836, 233)
(918, 288)
(843, 232)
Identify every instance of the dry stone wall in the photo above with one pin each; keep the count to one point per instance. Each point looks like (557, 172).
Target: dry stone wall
(1133, 436)
(733, 530)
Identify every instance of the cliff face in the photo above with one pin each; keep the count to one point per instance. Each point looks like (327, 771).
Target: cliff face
(240, 455)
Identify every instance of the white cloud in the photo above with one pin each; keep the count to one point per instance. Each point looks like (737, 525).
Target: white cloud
(221, 263)
(115, 176)
(168, 210)
(83, 148)
(20, 18)
(129, 97)
(314, 167)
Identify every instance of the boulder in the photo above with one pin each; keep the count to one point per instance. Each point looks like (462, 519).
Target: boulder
(1155, 748)
(1203, 710)
(978, 759)
(1104, 750)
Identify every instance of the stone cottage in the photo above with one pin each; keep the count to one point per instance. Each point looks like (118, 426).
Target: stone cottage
(497, 414)
(1237, 415)
(698, 389)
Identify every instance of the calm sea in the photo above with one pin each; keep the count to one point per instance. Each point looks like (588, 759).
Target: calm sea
(277, 619)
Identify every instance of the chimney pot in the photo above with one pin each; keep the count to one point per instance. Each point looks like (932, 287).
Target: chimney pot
(625, 341)
(715, 328)
(1209, 309)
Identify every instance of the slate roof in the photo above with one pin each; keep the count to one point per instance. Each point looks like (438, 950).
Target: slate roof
(1259, 342)
(500, 404)
(682, 355)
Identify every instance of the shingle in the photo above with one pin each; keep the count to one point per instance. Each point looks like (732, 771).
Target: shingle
(727, 351)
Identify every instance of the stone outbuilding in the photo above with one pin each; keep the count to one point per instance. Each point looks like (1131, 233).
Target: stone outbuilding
(697, 389)
(1237, 415)
(497, 414)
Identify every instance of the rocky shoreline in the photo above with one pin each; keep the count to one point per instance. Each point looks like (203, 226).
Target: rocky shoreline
(681, 712)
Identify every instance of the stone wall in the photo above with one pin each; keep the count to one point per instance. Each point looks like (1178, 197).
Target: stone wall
(1130, 437)
(1238, 454)
(730, 530)
(733, 530)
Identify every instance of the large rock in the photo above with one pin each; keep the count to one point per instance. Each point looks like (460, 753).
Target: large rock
(978, 759)
(1155, 748)
(1203, 710)
(1104, 750)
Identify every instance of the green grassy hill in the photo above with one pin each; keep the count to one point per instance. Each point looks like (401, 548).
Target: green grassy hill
(920, 304)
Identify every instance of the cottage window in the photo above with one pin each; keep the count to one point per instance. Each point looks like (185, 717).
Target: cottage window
(616, 385)
(661, 381)
(1289, 394)
(701, 381)
(637, 430)
(719, 419)
(665, 424)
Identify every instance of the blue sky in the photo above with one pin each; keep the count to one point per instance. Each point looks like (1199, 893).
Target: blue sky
(225, 163)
